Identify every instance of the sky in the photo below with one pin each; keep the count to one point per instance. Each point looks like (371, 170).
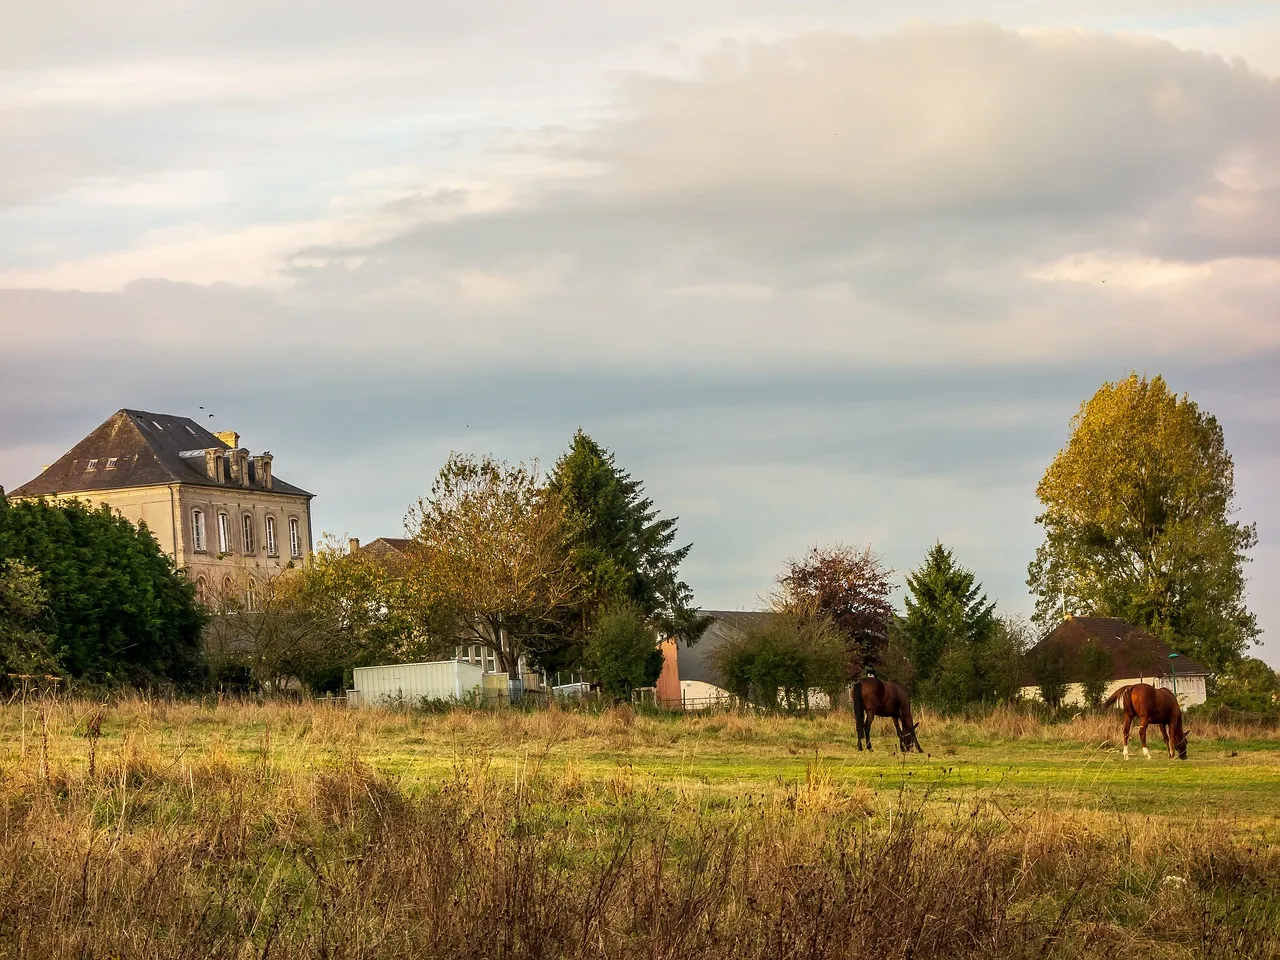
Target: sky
(815, 271)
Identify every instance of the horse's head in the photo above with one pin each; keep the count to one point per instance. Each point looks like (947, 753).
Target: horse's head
(1181, 743)
(908, 737)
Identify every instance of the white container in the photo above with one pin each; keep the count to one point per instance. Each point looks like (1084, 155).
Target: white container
(410, 683)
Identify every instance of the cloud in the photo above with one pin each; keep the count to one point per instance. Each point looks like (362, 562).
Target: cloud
(820, 286)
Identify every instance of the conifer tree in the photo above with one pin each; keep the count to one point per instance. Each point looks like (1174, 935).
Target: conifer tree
(945, 607)
(625, 551)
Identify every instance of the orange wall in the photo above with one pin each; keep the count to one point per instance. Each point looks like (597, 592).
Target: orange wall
(667, 689)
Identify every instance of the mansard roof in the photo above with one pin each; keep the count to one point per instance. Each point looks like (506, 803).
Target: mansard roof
(134, 448)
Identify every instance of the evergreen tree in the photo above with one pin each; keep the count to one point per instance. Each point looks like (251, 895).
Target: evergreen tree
(945, 607)
(623, 549)
(116, 609)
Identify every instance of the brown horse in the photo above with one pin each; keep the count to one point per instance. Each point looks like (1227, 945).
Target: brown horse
(1150, 705)
(873, 698)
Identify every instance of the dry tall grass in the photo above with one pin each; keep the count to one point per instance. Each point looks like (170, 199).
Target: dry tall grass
(180, 843)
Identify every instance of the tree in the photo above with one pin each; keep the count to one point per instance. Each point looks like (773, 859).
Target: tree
(117, 609)
(1051, 669)
(1251, 685)
(492, 558)
(623, 550)
(850, 589)
(955, 680)
(1095, 669)
(998, 661)
(789, 656)
(622, 650)
(945, 608)
(1137, 519)
(24, 649)
(272, 628)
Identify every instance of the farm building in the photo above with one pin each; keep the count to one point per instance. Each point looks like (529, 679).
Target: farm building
(1136, 657)
(689, 678)
(412, 683)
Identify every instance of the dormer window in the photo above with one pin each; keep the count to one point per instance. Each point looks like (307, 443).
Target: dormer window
(111, 463)
(220, 468)
(93, 465)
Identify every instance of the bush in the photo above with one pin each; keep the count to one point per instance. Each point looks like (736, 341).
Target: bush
(1096, 666)
(621, 651)
(783, 661)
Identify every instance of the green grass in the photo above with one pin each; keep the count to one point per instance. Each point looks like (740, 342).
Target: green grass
(304, 830)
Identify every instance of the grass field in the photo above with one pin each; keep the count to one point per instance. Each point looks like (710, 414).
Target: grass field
(231, 829)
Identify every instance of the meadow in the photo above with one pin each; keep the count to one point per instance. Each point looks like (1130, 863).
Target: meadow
(232, 829)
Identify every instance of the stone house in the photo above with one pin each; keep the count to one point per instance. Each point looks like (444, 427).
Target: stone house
(221, 513)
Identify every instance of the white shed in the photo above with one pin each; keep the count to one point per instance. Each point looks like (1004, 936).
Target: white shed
(410, 683)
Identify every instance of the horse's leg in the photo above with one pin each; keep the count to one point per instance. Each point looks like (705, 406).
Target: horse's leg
(1128, 722)
(897, 728)
(870, 717)
(1142, 735)
(1164, 732)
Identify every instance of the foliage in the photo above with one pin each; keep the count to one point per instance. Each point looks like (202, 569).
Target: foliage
(946, 609)
(275, 627)
(791, 655)
(1051, 667)
(492, 560)
(955, 678)
(24, 649)
(1250, 686)
(622, 549)
(998, 660)
(621, 651)
(1095, 668)
(849, 589)
(116, 609)
(1137, 521)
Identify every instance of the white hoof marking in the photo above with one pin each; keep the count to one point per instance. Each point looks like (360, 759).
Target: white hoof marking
(1146, 753)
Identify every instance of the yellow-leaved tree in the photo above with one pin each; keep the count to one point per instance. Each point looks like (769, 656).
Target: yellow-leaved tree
(1138, 521)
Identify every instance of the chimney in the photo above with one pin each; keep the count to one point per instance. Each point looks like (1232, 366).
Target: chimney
(262, 470)
(229, 437)
(353, 545)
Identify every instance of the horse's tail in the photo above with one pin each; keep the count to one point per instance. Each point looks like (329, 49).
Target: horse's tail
(1116, 695)
(859, 711)
(1177, 731)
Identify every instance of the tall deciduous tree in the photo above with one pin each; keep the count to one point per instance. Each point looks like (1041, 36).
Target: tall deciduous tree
(623, 549)
(945, 606)
(848, 587)
(492, 557)
(1138, 523)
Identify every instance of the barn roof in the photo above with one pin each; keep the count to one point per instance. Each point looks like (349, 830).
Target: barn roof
(698, 661)
(134, 448)
(1134, 652)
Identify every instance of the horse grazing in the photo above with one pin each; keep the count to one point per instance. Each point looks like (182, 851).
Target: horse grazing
(1150, 705)
(873, 698)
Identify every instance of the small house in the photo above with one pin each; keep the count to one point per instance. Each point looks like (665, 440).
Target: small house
(1136, 657)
